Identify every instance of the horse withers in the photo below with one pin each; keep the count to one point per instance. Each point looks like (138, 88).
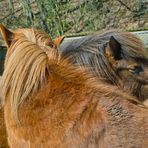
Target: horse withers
(48, 102)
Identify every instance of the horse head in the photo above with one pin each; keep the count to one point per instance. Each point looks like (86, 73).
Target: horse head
(130, 64)
(115, 57)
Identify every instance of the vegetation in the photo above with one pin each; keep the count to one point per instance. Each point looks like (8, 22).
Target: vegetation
(72, 16)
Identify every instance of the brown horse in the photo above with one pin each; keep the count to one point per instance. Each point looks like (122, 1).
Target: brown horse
(3, 136)
(5, 33)
(50, 103)
(115, 57)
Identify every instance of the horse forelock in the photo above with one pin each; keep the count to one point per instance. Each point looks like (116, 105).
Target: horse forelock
(27, 63)
(132, 46)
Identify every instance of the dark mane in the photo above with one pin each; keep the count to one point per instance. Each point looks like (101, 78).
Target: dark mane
(89, 52)
(132, 47)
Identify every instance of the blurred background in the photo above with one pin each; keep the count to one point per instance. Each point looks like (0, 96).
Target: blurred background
(58, 17)
(74, 17)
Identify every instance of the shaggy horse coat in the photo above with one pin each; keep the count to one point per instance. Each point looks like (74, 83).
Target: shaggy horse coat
(3, 136)
(6, 33)
(50, 103)
(115, 57)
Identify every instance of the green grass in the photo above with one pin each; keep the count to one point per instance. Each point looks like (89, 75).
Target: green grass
(57, 18)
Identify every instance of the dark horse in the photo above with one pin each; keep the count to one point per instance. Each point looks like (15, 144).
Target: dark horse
(49, 103)
(115, 57)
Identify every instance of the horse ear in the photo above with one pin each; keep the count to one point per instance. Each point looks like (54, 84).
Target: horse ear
(57, 41)
(115, 48)
(6, 34)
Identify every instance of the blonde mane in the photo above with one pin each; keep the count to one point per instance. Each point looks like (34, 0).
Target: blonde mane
(26, 65)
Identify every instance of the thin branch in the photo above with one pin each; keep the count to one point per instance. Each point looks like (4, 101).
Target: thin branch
(7, 16)
(126, 6)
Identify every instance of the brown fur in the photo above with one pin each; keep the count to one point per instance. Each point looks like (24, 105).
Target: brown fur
(95, 52)
(3, 135)
(8, 35)
(63, 106)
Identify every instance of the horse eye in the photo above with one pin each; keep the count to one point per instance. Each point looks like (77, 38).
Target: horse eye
(50, 45)
(136, 69)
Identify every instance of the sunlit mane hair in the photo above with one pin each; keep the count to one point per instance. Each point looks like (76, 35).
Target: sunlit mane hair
(26, 65)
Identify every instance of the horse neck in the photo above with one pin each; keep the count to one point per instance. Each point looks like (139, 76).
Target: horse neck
(53, 99)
